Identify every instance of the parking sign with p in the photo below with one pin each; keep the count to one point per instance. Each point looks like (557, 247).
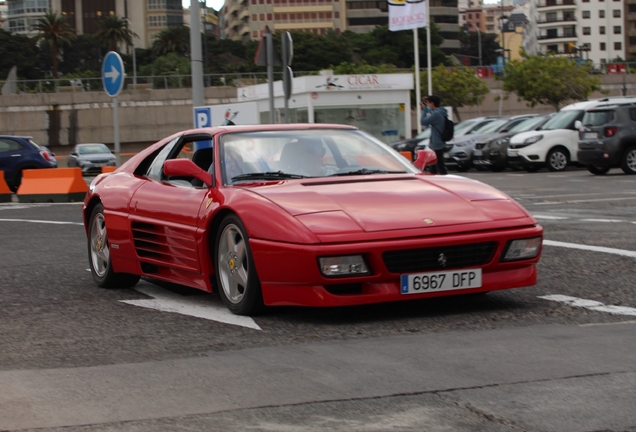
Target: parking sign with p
(202, 117)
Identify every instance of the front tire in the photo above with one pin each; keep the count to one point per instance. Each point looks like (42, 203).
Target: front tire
(236, 278)
(598, 170)
(99, 255)
(628, 162)
(557, 160)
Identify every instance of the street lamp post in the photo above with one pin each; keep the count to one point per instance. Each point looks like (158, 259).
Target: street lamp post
(134, 56)
(478, 40)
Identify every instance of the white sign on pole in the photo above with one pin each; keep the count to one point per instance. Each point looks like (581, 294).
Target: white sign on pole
(240, 113)
(407, 14)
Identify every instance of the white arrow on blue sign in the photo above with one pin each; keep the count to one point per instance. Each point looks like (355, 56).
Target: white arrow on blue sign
(112, 73)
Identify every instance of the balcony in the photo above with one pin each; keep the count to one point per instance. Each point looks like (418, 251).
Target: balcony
(557, 4)
(565, 35)
(557, 21)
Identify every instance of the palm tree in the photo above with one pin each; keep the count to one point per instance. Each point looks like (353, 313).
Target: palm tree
(174, 39)
(114, 30)
(53, 28)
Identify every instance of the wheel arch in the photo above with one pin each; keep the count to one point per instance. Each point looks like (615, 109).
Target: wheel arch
(560, 147)
(212, 233)
(89, 210)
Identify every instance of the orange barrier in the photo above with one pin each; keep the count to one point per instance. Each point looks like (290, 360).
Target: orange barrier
(407, 154)
(52, 185)
(5, 192)
(108, 169)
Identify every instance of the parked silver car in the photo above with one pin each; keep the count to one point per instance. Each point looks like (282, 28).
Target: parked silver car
(91, 157)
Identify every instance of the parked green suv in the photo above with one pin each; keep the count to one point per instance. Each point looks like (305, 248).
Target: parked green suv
(607, 139)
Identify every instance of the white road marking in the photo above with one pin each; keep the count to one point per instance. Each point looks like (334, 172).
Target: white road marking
(603, 220)
(549, 217)
(606, 324)
(621, 252)
(42, 221)
(582, 201)
(166, 301)
(591, 305)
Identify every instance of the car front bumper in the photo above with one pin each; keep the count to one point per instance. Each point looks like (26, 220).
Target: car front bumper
(289, 273)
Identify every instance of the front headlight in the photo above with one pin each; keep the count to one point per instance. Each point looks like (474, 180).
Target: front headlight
(343, 266)
(522, 249)
(465, 143)
(533, 139)
(500, 142)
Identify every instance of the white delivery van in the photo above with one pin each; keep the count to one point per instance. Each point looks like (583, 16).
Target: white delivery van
(555, 145)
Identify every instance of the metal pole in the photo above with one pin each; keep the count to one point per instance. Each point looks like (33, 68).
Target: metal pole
(428, 50)
(195, 54)
(116, 131)
(270, 74)
(134, 66)
(479, 42)
(418, 91)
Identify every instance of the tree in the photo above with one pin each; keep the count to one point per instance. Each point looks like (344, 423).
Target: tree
(114, 31)
(549, 80)
(457, 87)
(21, 51)
(469, 41)
(174, 39)
(54, 29)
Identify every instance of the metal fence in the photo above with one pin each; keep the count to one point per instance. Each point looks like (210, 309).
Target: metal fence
(65, 85)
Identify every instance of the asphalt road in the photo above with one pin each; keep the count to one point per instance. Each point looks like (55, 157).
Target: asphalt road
(74, 357)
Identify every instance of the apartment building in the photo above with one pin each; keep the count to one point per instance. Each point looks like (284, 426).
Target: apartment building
(597, 30)
(146, 17)
(247, 19)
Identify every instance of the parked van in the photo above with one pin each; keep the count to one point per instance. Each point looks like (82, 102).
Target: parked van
(555, 144)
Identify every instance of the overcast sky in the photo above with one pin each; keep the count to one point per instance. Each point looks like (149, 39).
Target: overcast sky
(216, 4)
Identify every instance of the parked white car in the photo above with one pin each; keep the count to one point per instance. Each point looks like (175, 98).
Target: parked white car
(555, 145)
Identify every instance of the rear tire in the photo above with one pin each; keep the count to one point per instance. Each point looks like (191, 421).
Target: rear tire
(628, 162)
(99, 255)
(598, 170)
(557, 160)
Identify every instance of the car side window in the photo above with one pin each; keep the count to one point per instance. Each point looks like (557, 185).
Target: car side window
(632, 114)
(156, 167)
(7, 145)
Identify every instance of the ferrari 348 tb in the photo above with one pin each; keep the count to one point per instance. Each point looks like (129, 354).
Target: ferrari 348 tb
(306, 215)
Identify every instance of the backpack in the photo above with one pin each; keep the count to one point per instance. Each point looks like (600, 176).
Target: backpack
(449, 130)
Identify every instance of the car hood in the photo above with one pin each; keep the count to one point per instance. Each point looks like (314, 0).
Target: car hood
(97, 156)
(391, 203)
(522, 136)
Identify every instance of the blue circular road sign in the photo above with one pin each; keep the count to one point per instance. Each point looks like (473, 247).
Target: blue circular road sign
(112, 73)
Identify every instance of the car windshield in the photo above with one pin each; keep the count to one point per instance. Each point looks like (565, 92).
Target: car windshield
(597, 118)
(271, 155)
(461, 128)
(527, 124)
(493, 126)
(92, 149)
(479, 127)
(562, 120)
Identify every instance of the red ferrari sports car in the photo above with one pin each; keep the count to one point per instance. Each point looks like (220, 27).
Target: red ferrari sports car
(303, 214)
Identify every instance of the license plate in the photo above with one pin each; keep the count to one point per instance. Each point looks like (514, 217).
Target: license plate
(478, 152)
(590, 135)
(513, 152)
(419, 283)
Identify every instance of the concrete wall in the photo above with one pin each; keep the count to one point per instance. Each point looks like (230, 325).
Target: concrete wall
(61, 120)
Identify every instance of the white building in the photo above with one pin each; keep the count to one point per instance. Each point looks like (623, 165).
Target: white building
(591, 29)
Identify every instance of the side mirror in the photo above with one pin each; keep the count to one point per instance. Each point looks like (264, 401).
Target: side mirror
(578, 125)
(424, 158)
(186, 168)
(73, 154)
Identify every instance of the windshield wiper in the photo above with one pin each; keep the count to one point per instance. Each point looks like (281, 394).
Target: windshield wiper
(270, 175)
(365, 171)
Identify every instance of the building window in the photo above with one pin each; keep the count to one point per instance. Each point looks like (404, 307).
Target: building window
(602, 46)
(601, 14)
(617, 29)
(616, 13)
(601, 30)
(470, 16)
(587, 31)
(586, 1)
(632, 8)
(586, 14)
(254, 17)
(618, 46)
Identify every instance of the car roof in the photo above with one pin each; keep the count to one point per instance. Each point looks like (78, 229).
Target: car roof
(269, 127)
(16, 136)
(617, 100)
(610, 107)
